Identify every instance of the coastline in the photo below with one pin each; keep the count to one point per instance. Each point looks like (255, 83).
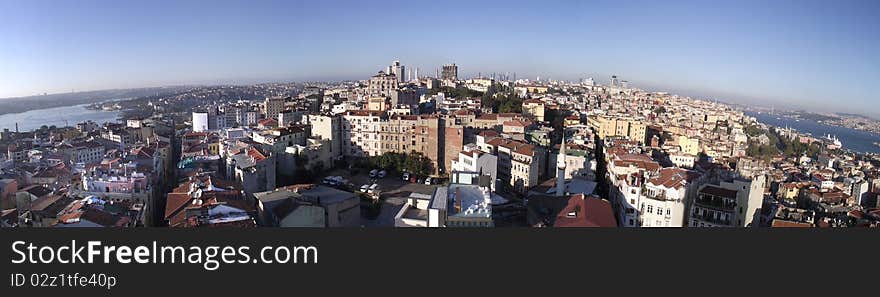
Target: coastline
(854, 140)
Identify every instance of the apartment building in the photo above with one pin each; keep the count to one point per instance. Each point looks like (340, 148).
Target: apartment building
(533, 108)
(734, 203)
(473, 166)
(370, 133)
(664, 200)
(520, 165)
(272, 107)
(85, 152)
(606, 126)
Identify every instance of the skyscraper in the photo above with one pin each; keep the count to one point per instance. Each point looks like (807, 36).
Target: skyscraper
(589, 82)
(398, 70)
(450, 72)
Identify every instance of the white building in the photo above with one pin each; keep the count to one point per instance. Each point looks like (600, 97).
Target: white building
(733, 203)
(200, 121)
(328, 127)
(683, 160)
(663, 202)
(456, 205)
(360, 133)
(474, 166)
(86, 152)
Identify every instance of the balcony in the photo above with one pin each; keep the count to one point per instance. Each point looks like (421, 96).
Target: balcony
(711, 219)
(716, 203)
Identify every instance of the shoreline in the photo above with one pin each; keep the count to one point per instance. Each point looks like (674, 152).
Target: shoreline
(870, 148)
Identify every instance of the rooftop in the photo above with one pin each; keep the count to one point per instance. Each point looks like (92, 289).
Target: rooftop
(719, 191)
(468, 201)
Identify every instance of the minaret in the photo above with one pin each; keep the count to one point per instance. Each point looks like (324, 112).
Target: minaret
(560, 169)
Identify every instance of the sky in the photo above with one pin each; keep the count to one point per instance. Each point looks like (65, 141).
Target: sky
(817, 55)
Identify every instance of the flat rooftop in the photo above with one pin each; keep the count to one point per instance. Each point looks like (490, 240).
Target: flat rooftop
(416, 214)
(474, 201)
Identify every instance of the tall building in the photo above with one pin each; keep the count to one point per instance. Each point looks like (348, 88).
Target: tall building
(606, 126)
(614, 81)
(370, 133)
(589, 82)
(200, 121)
(398, 70)
(533, 108)
(450, 72)
(328, 127)
(273, 106)
(382, 84)
(733, 203)
(519, 164)
(663, 201)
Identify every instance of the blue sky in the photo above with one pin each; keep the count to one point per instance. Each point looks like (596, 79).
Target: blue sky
(822, 55)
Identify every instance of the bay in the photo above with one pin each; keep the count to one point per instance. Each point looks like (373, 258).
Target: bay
(33, 119)
(852, 139)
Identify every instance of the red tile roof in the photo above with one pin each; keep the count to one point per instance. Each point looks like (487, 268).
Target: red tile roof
(777, 223)
(586, 211)
(673, 177)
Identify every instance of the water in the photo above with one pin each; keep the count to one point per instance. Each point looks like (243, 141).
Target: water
(852, 139)
(33, 119)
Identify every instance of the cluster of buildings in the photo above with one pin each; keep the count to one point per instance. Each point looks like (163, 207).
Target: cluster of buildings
(87, 175)
(570, 154)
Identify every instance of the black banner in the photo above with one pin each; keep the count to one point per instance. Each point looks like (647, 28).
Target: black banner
(414, 261)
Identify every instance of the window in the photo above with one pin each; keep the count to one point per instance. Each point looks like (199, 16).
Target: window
(650, 208)
(668, 211)
(659, 210)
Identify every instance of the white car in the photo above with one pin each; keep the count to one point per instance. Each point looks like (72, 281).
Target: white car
(373, 188)
(365, 188)
(406, 176)
(382, 174)
(427, 180)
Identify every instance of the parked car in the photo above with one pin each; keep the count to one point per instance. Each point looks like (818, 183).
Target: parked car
(373, 189)
(427, 180)
(334, 180)
(382, 174)
(374, 172)
(365, 188)
(406, 176)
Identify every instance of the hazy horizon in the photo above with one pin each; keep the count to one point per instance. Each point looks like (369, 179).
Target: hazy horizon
(792, 54)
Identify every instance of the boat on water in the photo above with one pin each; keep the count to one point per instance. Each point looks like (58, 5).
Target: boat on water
(833, 140)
